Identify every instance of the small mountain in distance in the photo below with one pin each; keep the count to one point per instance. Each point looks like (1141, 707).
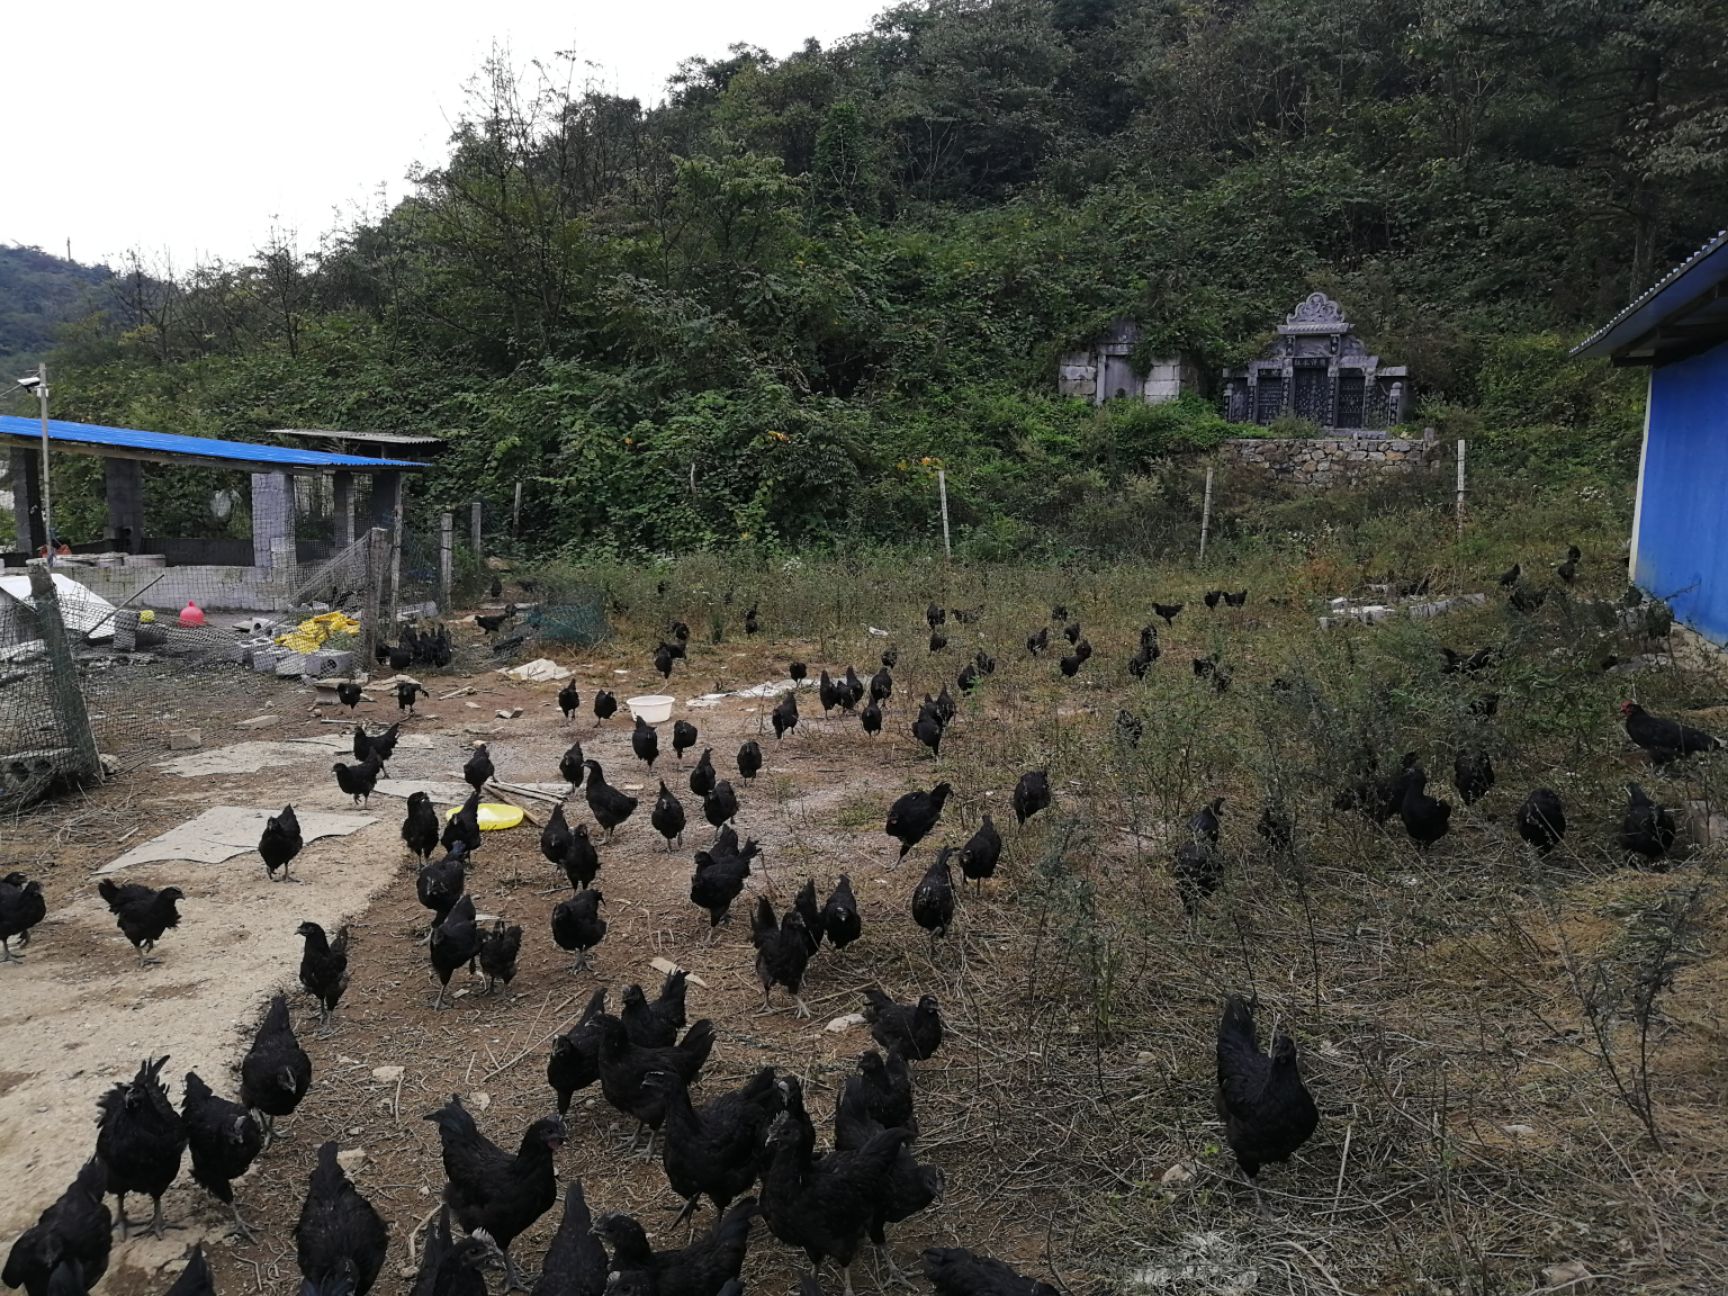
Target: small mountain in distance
(38, 293)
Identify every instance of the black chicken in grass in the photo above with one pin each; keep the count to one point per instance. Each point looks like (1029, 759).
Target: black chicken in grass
(663, 658)
(1665, 740)
(1129, 727)
(1168, 611)
(491, 625)
(828, 693)
(280, 842)
(871, 719)
(714, 1151)
(323, 966)
(751, 624)
(499, 950)
(805, 903)
(358, 780)
(140, 1139)
(1568, 570)
(938, 641)
(826, 1206)
(910, 1188)
(1266, 1109)
(276, 1072)
(935, 616)
(607, 804)
(1648, 828)
(21, 908)
(1472, 775)
(1037, 643)
(1527, 599)
(570, 766)
(1211, 598)
(66, 1250)
(1510, 576)
(667, 816)
(955, 1271)
(605, 706)
(656, 1024)
(881, 686)
(440, 884)
(224, 1140)
(462, 829)
(784, 716)
(577, 926)
(702, 773)
(933, 899)
(884, 1087)
(928, 730)
(914, 1031)
(1199, 871)
(1457, 663)
(1071, 664)
(851, 689)
(913, 815)
(452, 1267)
(348, 694)
(707, 1267)
(141, 913)
(1206, 822)
(1541, 820)
(782, 952)
(841, 923)
(420, 826)
(569, 699)
(340, 1240)
(1275, 826)
(979, 855)
(624, 1066)
(478, 770)
(968, 678)
(490, 1189)
(575, 1060)
(1031, 794)
(455, 941)
(1426, 819)
(720, 806)
(576, 1263)
(749, 758)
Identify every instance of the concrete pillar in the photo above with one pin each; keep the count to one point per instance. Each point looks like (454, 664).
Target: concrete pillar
(342, 490)
(125, 482)
(26, 478)
(272, 517)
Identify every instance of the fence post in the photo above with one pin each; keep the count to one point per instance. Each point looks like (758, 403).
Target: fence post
(1460, 486)
(516, 510)
(446, 556)
(377, 555)
(474, 528)
(1206, 513)
(396, 525)
(63, 678)
(942, 490)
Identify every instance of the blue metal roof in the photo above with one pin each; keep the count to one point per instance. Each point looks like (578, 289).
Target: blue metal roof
(92, 438)
(1698, 273)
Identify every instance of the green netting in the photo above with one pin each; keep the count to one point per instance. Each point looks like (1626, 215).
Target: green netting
(576, 617)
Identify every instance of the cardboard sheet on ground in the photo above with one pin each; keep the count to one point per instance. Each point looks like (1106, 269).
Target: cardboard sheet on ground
(769, 689)
(222, 832)
(84, 612)
(452, 791)
(250, 757)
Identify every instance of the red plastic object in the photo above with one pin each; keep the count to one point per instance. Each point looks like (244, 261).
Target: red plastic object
(191, 614)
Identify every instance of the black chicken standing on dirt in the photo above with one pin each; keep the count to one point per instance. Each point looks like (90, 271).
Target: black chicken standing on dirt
(275, 1073)
(625, 1066)
(841, 923)
(702, 773)
(569, 699)
(913, 1031)
(478, 770)
(784, 716)
(1426, 819)
(884, 1086)
(913, 815)
(645, 742)
(574, 1062)
(720, 806)
(1542, 820)
(656, 1024)
(224, 1140)
(358, 780)
(455, 941)
(955, 1271)
(341, 1239)
(714, 1151)
(420, 826)
(140, 1139)
(749, 758)
(667, 816)
(933, 898)
(910, 1188)
(576, 1263)
(684, 736)
(406, 692)
(605, 706)
(716, 883)
(280, 843)
(142, 914)
(449, 1267)
(66, 1250)
(490, 1189)
(1648, 828)
(1665, 740)
(570, 765)
(577, 926)
(323, 966)
(21, 908)
(1266, 1108)
(1031, 794)
(706, 1267)
(499, 948)
(440, 885)
(783, 950)
(607, 804)
(463, 828)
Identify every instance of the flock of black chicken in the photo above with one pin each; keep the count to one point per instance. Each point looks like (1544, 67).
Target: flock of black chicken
(752, 1152)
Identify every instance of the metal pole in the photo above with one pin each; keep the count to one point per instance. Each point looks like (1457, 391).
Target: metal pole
(1206, 513)
(516, 510)
(446, 557)
(942, 489)
(47, 512)
(1460, 486)
(474, 528)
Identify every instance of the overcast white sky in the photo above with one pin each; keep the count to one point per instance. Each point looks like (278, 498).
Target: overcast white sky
(184, 126)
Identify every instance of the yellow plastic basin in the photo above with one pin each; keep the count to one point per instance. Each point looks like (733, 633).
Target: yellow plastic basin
(492, 815)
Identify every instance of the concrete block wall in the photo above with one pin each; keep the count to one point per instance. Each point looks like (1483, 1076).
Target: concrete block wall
(1331, 461)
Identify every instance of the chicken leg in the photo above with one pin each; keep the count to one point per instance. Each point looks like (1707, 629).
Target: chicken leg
(6, 954)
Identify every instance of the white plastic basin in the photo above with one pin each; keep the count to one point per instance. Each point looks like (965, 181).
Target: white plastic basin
(654, 708)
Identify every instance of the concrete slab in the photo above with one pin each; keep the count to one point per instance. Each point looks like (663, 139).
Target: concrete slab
(222, 832)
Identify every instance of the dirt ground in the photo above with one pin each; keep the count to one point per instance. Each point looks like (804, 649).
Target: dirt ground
(80, 1014)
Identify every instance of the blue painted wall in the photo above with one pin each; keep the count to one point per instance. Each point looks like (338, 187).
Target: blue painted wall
(1683, 525)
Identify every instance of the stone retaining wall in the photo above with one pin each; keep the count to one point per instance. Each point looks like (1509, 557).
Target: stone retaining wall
(1327, 461)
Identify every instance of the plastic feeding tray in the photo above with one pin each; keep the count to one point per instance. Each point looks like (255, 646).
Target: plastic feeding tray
(653, 708)
(492, 815)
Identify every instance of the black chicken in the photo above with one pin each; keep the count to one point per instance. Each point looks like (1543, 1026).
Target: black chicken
(1038, 642)
(1206, 823)
(913, 815)
(749, 758)
(938, 641)
(440, 884)
(1266, 1109)
(478, 770)
(449, 1267)
(142, 914)
(884, 1086)
(715, 1151)
(576, 1263)
(624, 1066)
(716, 883)
(340, 1240)
(224, 1140)
(358, 780)
(577, 925)
(1129, 727)
(1168, 611)
(933, 899)
(805, 903)
(570, 766)
(720, 806)
(910, 1187)
(323, 966)
(784, 716)
(1648, 828)
(913, 1031)
(499, 949)
(21, 908)
(1542, 820)
(702, 773)
(645, 742)
(1199, 871)
(348, 693)
(704, 1268)
(492, 1190)
(928, 730)
(663, 659)
(935, 616)
(66, 1250)
(569, 699)
(1472, 775)
(684, 736)
(782, 952)
(555, 836)
(841, 923)
(462, 829)
(1511, 574)
(751, 624)
(406, 692)
(420, 826)
(280, 843)
(828, 693)
(194, 1279)
(955, 1271)
(605, 706)
(275, 1073)
(1031, 794)
(574, 1062)
(1665, 740)
(455, 941)
(656, 1024)
(1425, 818)
(609, 806)
(797, 672)
(667, 816)
(825, 1206)
(140, 1139)
(871, 718)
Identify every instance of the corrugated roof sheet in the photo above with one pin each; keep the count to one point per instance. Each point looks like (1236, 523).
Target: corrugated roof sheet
(380, 438)
(170, 444)
(1601, 340)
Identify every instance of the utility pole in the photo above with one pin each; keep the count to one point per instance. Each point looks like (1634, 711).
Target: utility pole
(47, 514)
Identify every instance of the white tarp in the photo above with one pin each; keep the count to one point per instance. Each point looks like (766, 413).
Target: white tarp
(223, 832)
(81, 610)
